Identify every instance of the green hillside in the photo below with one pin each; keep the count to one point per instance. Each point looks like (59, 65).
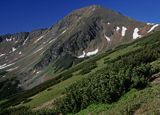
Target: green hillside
(115, 81)
(139, 102)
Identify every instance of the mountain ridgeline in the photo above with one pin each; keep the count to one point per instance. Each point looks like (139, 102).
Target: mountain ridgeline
(93, 61)
(79, 35)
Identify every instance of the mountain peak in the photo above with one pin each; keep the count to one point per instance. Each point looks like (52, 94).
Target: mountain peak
(94, 6)
(82, 33)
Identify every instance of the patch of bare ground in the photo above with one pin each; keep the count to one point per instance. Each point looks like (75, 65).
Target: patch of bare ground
(150, 108)
(155, 79)
(48, 105)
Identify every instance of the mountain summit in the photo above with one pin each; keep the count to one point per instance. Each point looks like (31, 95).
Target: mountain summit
(79, 35)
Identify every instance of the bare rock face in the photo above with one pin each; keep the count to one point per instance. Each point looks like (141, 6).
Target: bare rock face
(82, 33)
(91, 28)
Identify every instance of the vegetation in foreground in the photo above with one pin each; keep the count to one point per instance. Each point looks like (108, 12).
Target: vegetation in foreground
(139, 102)
(109, 83)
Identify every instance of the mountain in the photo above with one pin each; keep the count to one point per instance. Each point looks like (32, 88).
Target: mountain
(33, 56)
(53, 70)
(123, 80)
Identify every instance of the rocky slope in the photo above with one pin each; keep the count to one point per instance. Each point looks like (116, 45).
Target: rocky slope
(82, 33)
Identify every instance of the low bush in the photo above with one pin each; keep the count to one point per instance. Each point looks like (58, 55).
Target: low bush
(132, 70)
(88, 68)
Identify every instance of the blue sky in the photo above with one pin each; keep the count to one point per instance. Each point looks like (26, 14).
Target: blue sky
(27, 15)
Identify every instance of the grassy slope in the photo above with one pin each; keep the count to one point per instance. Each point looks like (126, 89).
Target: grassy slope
(51, 93)
(58, 89)
(145, 101)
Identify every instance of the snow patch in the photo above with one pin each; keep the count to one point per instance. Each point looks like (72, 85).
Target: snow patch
(16, 41)
(58, 36)
(117, 28)
(153, 27)
(52, 41)
(63, 31)
(8, 39)
(25, 40)
(88, 54)
(135, 34)
(124, 29)
(107, 38)
(38, 72)
(150, 23)
(20, 53)
(13, 49)
(92, 53)
(5, 65)
(38, 50)
(12, 69)
(34, 71)
(38, 39)
(2, 55)
(83, 55)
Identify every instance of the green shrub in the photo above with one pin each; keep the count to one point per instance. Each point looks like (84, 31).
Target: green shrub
(105, 86)
(88, 68)
(131, 70)
(25, 111)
